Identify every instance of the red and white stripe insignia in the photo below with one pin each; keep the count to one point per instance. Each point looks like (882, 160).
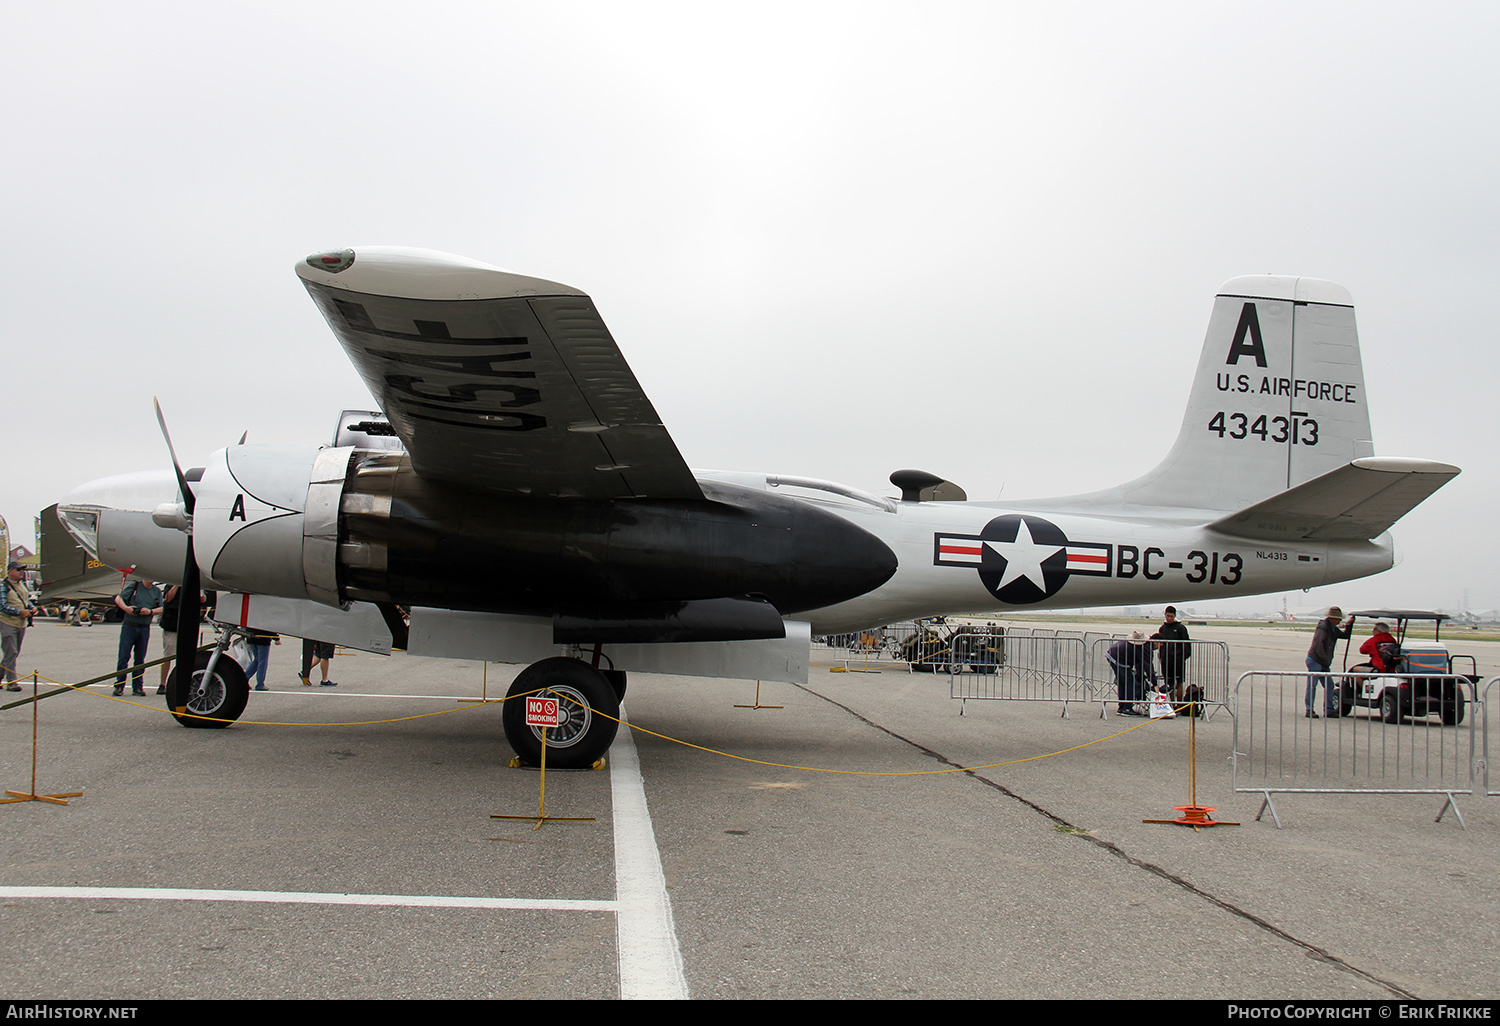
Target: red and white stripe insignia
(966, 551)
(1088, 559)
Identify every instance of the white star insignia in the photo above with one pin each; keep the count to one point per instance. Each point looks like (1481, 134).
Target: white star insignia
(1024, 557)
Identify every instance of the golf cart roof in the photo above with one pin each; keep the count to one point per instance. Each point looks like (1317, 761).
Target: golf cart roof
(1401, 614)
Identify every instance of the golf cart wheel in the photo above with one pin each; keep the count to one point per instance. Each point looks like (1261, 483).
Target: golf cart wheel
(1390, 706)
(1453, 712)
(1346, 696)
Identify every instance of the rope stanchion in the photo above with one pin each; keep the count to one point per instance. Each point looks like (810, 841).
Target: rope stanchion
(871, 773)
(64, 688)
(543, 712)
(1193, 814)
(32, 796)
(757, 704)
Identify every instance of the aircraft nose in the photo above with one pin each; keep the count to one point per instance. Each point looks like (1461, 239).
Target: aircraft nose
(139, 492)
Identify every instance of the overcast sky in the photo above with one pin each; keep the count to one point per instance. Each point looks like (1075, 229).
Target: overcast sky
(832, 239)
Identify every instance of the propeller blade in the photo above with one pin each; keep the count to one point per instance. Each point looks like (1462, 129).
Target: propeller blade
(188, 607)
(188, 611)
(188, 499)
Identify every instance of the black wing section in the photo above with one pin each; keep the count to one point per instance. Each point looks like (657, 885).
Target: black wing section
(495, 381)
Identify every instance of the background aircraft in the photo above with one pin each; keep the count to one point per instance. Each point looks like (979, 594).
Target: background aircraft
(68, 572)
(537, 510)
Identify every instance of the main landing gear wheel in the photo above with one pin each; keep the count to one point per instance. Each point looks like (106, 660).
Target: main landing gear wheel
(582, 693)
(221, 696)
(616, 680)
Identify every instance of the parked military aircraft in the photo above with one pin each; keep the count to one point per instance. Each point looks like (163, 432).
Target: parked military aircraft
(536, 509)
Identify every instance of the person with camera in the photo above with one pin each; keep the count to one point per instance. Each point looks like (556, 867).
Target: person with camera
(139, 601)
(16, 611)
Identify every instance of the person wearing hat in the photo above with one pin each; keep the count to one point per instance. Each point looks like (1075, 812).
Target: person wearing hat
(1131, 659)
(16, 609)
(1320, 658)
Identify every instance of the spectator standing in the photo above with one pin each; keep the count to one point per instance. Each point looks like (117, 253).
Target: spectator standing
(139, 601)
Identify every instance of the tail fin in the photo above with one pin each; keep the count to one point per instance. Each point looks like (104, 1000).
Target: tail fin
(1279, 398)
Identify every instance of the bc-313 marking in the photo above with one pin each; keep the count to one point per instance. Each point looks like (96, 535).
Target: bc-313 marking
(1203, 567)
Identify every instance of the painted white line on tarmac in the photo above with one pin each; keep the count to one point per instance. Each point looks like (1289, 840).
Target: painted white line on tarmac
(311, 898)
(650, 960)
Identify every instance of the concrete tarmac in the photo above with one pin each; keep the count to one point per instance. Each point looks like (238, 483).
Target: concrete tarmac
(1032, 880)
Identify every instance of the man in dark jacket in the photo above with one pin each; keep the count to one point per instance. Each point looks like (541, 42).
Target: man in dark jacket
(1320, 658)
(1175, 652)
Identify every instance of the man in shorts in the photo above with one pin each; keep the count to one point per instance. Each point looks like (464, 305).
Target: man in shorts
(320, 652)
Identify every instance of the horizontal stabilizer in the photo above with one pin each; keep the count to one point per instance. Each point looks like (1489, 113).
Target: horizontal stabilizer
(1358, 501)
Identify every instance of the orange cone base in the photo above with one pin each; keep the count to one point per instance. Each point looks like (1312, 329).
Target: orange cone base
(1194, 816)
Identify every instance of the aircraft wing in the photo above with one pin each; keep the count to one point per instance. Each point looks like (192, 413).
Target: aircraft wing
(1357, 501)
(495, 381)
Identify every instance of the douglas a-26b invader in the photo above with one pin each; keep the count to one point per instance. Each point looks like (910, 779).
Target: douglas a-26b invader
(532, 508)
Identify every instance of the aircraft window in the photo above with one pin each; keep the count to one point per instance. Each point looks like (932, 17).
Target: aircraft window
(82, 524)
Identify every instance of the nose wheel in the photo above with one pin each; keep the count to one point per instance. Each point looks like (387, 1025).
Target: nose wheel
(211, 700)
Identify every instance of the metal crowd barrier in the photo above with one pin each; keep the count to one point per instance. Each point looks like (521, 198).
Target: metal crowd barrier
(988, 662)
(1278, 749)
(1020, 664)
(861, 648)
(1206, 668)
(1044, 665)
(1483, 768)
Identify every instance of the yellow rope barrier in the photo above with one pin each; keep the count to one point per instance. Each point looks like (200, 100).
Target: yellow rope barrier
(282, 723)
(876, 773)
(677, 741)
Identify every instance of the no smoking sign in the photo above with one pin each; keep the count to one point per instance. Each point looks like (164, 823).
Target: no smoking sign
(542, 712)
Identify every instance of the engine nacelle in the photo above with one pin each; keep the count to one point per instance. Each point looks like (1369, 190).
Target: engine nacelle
(342, 524)
(266, 520)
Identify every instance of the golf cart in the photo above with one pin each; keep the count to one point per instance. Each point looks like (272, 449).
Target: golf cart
(1403, 690)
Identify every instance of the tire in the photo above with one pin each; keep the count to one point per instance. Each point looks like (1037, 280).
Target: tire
(1453, 714)
(583, 737)
(1390, 705)
(221, 697)
(616, 680)
(1346, 696)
